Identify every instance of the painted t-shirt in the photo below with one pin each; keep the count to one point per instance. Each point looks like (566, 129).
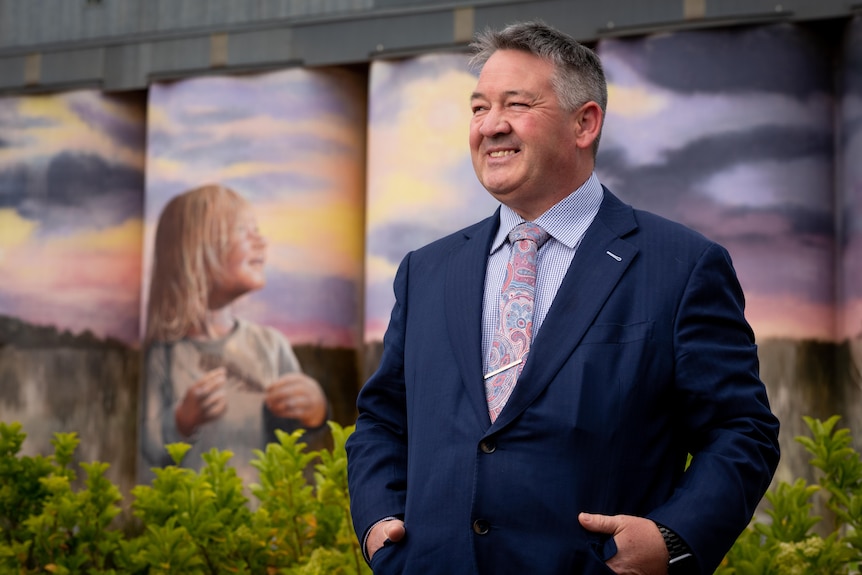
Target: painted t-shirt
(254, 356)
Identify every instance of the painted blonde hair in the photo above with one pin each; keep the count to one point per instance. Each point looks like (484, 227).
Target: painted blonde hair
(192, 241)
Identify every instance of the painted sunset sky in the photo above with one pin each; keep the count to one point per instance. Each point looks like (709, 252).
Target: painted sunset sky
(71, 181)
(729, 132)
(293, 143)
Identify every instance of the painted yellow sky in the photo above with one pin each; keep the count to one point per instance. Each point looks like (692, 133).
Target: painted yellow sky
(14, 230)
(106, 258)
(401, 196)
(65, 131)
(407, 154)
(124, 238)
(635, 101)
(301, 228)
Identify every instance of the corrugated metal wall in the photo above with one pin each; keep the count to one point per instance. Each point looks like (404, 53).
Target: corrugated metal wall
(125, 44)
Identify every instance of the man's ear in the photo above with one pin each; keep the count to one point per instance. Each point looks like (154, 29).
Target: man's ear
(588, 124)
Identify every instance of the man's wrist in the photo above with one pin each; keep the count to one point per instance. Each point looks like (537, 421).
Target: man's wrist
(365, 553)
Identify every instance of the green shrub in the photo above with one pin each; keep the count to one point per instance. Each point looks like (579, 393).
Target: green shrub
(201, 522)
(786, 544)
(185, 521)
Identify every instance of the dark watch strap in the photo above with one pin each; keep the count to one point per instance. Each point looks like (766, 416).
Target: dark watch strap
(681, 560)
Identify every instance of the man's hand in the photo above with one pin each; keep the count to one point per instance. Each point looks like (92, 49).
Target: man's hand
(391, 529)
(640, 547)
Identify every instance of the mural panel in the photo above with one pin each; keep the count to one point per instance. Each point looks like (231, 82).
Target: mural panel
(731, 132)
(71, 189)
(268, 169)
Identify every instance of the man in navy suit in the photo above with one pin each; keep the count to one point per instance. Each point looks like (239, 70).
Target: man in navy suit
(640, 355)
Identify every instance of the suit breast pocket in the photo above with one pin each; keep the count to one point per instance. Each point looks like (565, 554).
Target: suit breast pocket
(617, 354)
(616, 333)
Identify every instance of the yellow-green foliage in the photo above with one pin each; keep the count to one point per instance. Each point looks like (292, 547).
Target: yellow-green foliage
(787, 544)
(187, 522)
(200, 523)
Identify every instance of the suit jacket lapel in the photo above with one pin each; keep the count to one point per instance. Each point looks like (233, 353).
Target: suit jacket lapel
(598, 265)
(464, 290)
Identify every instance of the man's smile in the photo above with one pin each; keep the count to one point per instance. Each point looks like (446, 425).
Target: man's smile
(502, 153)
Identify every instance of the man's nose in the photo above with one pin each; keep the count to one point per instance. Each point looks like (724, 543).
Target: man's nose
(494, 123)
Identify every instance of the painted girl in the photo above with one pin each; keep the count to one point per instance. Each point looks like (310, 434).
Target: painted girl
(211, 378)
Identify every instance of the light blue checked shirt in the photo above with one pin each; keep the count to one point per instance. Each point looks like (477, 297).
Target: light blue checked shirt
(566, 222)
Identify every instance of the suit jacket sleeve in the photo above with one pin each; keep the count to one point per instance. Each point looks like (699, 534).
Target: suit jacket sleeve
(724, 417)
(377, 449)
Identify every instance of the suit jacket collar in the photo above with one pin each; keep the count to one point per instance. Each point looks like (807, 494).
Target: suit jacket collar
(598, 265)
(464, 291)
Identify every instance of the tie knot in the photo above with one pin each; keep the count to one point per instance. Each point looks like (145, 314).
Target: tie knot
(528, 231)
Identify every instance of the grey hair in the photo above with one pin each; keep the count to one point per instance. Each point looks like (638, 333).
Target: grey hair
(578, 73)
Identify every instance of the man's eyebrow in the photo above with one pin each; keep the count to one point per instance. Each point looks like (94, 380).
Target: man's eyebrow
(507, 93)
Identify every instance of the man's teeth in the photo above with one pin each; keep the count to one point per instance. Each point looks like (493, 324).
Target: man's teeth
(502, 153)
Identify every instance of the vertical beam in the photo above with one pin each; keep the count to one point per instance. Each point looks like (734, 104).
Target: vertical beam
(464, 24)
(218, 50)
(693, 9)
(33, 69)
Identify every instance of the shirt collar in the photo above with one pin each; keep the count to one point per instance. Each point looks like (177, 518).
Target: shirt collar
(566, 221)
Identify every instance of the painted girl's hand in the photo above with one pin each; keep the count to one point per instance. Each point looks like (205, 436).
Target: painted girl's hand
(297, 396)
(205, 401)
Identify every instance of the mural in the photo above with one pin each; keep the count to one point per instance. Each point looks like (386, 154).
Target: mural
(71, 191)
(739, 133)
(281, 179)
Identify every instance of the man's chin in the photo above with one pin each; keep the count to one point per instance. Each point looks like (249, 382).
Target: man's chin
(503, 195)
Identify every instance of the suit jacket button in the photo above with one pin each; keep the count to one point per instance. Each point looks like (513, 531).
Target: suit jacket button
(488, 446)
(481, 527)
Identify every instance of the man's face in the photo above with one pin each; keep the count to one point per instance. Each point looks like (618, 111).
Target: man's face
(522, 142)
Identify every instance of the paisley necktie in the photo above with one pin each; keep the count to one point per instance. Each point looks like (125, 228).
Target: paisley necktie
(512, 340)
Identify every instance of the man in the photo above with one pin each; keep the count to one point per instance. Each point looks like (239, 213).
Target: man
(568, 453)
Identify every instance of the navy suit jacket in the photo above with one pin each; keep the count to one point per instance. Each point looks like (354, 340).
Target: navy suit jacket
(644, 357)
